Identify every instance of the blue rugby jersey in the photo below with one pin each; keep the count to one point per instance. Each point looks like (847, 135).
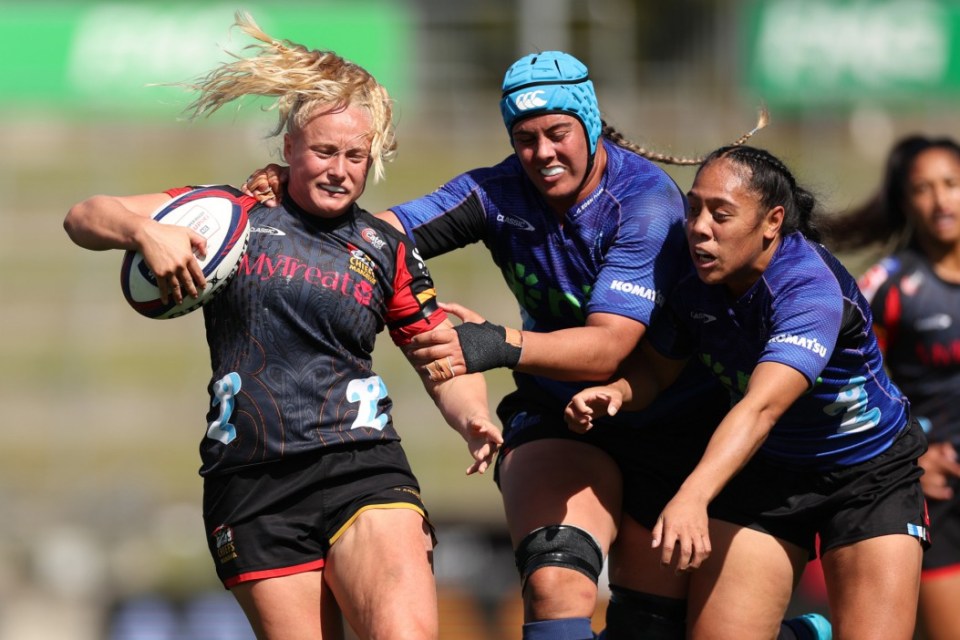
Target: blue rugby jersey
(291, 336)
(916, 316)
(618, 251)
(805, 312)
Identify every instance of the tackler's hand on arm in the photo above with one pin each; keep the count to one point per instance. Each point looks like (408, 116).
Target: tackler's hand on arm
(471, 347)
(267, 184)
(437, 354)
(591, 404)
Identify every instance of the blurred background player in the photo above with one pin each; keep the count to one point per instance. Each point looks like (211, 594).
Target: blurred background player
(915, 297)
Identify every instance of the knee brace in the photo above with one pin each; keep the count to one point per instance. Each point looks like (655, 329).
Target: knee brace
(634, 615)
(559, 545)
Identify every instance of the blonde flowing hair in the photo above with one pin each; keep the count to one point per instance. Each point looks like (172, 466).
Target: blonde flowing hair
(305, 83)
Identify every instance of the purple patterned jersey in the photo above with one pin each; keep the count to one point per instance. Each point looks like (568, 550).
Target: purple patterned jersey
(618, 251)
(806, 312)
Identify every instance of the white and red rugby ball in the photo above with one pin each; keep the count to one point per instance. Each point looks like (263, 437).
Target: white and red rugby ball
(219, 214)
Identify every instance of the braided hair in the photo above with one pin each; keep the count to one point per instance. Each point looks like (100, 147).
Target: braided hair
(618, 139)
(772, 180)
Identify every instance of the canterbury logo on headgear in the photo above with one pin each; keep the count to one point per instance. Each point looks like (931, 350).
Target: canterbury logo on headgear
(530, 100)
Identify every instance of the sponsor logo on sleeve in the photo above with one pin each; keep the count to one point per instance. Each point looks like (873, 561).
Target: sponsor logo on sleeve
(810, 344)
(638, 290)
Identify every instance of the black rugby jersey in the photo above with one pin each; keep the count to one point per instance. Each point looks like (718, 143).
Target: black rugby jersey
(291, 336)
(917, 321)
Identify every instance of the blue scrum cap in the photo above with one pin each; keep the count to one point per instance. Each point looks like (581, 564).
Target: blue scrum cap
(551, 82)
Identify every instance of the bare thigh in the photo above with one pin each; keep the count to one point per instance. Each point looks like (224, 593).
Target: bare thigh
(873, 586)
(635, 565)
(296, 607)
(381, 572)
(742, 590)
(556, 481)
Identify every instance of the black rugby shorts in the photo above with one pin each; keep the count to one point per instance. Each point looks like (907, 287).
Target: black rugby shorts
(879, 497)
(281, 518)
(653, 451)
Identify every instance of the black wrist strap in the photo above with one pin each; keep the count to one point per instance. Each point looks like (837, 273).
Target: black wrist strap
(485, 346)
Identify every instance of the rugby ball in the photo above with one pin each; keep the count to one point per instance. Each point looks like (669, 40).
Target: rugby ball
(219, 214)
